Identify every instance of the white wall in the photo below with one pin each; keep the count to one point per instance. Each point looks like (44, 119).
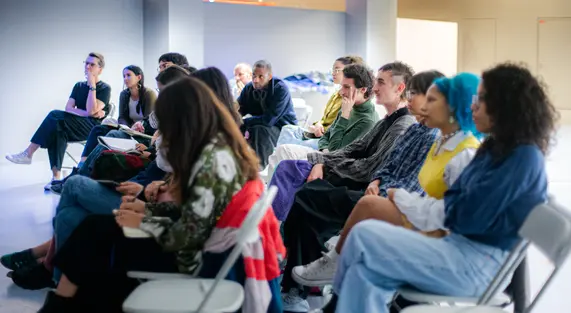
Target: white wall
(43, 45)
(428, 45)
(292, 40)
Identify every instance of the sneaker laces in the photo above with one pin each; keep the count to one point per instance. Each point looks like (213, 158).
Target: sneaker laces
(318, 265)
(20, 155)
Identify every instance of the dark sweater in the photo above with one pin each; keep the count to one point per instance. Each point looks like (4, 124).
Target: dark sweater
(490, 200)
(269, 106)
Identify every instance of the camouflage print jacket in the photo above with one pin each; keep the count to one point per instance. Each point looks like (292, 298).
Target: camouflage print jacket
(184, 229)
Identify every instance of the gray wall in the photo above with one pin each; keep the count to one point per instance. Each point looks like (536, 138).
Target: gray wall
(156, 35)
(292, 40)
(43, 45)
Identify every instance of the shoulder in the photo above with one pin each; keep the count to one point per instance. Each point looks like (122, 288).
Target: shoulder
(149, 91)
(528, 154)
(406, 120)
(124, 93)
(81, 84)
(103, 85)
(280, 85)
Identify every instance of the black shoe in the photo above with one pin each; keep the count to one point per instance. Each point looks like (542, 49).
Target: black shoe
(34, 278)
(57, 304)
(57, 189)
(19, 260)
(57, 185)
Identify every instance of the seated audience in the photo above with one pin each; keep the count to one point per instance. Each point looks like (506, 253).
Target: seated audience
(211, 162)
(86, 168)
(482, 211)
(83, 196)
(350, 168)
(447, 108)
(356, 118)
(399, 169)
(268, 101)
(242, 77)
(87, 106)
(293, 134)
(136, 102)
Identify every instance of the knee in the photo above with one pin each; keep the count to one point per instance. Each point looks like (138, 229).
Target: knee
(75, 184)
(114, 133)
(367, 203)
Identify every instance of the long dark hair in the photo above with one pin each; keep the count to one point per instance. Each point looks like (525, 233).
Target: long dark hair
(190, 115)
(519, 109)
(420, 82)
(217, 81)
(141, 86)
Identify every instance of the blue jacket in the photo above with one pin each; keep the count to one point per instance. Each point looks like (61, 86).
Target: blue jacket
(491, 199)
(270, 106)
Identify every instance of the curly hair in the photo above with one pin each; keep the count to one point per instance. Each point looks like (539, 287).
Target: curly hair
(351, 59)
(519, 109)
(361, 75)
(459, 92)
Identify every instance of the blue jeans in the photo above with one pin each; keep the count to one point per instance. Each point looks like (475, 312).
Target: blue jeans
(293, 134)
(378, 258)
(80, 197)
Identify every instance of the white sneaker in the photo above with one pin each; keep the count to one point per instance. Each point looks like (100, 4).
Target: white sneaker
(20, 158)
(317, 273)
(292, 302)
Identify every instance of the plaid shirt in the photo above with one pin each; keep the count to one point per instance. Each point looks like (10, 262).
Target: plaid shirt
(406, 159)
(359, 160)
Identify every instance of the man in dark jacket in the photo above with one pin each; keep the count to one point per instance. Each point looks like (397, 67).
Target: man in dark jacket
(268, 102)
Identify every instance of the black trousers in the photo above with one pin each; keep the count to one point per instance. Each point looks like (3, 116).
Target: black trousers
(97, 257)
(319, 212)
(263, 139)
(59, 128)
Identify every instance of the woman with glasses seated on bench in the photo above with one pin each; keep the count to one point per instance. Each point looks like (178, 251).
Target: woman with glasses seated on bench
(211, 161)
(482, 211)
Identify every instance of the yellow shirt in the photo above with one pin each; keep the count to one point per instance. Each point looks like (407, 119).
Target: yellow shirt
(431, 176)
(331, 109)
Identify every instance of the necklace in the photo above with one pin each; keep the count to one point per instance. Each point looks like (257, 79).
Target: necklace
(443, 139)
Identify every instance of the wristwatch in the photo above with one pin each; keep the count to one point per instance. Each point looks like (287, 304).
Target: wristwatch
(92, 88)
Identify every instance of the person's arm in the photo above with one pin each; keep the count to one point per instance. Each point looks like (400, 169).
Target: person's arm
(427, 213)
(340, 137)
(124, 118)
(70, 105)
(210, 192)
(243, 99)
(323, 142)
(150, 99)
(478, 209)
(281, 100)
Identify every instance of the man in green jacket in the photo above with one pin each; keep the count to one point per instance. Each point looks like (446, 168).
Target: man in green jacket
(356, 117)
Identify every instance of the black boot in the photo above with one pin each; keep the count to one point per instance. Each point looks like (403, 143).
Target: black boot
(34, 278)
(19, 260)
(57, 304)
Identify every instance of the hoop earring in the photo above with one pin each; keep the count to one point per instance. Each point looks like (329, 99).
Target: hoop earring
(451, 119)
(139, 85)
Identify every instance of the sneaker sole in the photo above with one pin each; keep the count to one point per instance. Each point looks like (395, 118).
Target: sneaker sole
(21, 163)
(311, 283)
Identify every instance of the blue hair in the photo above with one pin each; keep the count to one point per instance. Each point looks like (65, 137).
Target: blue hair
(459, 92)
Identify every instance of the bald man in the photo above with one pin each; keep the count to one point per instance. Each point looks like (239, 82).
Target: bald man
(242, 76)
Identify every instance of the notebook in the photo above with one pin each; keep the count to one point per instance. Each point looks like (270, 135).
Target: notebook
(119, 144)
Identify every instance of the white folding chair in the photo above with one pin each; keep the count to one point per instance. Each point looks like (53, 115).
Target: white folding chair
(193, 294)
(302, 112)
(548, 227)
(112, 109)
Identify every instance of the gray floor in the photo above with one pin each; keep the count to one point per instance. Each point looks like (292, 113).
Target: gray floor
(26, 213)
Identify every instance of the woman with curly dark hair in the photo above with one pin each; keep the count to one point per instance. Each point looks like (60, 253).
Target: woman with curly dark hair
(483, 210)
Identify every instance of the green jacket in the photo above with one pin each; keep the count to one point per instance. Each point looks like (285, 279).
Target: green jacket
(344, 131)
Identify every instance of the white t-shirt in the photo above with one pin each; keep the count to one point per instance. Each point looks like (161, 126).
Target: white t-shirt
(133, 110)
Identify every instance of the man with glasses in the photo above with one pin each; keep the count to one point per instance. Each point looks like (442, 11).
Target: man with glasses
(86, 107)
(268, 102)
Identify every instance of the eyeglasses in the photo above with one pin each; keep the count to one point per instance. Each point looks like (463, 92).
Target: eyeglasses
(90, 64)
(336, 71)
(409, 94)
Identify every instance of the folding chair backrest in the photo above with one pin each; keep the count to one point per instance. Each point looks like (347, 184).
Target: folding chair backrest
(247, 233)
(548, 227)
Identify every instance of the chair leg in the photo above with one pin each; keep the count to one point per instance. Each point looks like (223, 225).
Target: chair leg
(71, 156)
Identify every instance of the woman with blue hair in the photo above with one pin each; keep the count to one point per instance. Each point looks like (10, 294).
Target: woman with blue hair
(447, 108)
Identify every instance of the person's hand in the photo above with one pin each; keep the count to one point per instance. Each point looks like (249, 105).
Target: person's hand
(240, 85)
(141, 147)
(391, 194)
(129, 188)
(317, 130)
(348, 102)
(125, 218)
(373, 188)
(130, 203)
(146, 154)
(246, 135)
(138, 127)
(91, 78)
(153, 190)
(99, 114)
(316, 173)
